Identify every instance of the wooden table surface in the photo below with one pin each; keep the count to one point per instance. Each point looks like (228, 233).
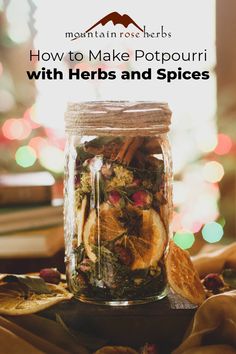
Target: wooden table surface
(163, 322)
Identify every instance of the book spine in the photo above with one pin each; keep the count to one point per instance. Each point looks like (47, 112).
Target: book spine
(25, 195)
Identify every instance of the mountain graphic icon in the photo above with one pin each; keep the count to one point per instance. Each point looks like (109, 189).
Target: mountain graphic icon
(116, 18)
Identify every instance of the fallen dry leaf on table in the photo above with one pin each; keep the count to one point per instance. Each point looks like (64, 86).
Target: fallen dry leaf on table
(17, 298)
(182, 276)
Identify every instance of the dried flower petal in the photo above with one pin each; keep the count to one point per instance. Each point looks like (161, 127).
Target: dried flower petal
(142, 199)
(213, 282)
(50, 275)
(116, 199)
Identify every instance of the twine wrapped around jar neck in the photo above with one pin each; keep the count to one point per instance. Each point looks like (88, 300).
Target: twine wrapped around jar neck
(118, 118)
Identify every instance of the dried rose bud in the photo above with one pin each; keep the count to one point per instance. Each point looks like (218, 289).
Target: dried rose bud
(149, 349)
(50, 275)
(213, 282)
(107, 170)
(142, 199)
(124, 254)
(116, 199)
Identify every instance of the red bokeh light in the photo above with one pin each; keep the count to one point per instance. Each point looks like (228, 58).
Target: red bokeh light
(16, 129)
(224, 144)
(38, 143)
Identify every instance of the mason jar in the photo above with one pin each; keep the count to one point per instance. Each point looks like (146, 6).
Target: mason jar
(118, 201)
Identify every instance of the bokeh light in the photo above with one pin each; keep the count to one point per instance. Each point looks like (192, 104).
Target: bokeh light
(16, 128)
(20, 33)
(222, 221)
(29, 116)
(38, 143)
(18, 16)
(196, 226)
(184, 239)
(33, 115)
(52, 159)
(224, 144)
(176, 221)
(206, 142)
(212, 232)
(213, 172)
(179, 192)
(25, 156)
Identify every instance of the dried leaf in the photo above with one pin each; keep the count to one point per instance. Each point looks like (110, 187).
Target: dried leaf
(34, 284)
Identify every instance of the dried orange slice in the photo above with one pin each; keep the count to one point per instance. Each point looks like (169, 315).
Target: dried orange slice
(147, 247)
(116, 350)
(182, 276)
(106, 227)
(14, 303)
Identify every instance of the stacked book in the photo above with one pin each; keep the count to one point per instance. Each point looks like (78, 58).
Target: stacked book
(31, 221)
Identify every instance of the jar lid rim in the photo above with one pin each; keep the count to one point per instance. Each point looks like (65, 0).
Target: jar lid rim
(125, 103)
(100, 115)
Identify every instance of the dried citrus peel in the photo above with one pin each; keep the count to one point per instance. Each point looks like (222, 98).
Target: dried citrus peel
(182, 276)
(147, 247)
(15, 301)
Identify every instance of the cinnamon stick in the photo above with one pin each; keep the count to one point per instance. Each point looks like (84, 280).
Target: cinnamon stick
(137, 142)
(127, 142)
(129, 149)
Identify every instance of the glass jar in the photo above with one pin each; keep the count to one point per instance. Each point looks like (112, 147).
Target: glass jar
(118, 201)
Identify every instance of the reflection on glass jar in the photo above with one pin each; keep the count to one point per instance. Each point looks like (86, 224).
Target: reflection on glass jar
(118, 201)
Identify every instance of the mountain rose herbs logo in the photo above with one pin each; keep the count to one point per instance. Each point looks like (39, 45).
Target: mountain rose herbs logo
(117, 19)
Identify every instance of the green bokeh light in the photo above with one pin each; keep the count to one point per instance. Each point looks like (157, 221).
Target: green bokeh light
(25, 156)
(221, 221)
(184, 239)
(212, 232)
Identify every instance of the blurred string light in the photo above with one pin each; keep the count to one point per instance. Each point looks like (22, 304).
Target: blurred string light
(56, 137)
(222, 221)
(16, 128)
(184, 239)
(25, 156)
(38, 143)
(212, 232)
(29, 116)
(206, 141)
(213, 172)
(179, 192)
(191, 223)
(224, 144)
(176, 221)
(196, 206)
(17, 14)
(52, 158)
